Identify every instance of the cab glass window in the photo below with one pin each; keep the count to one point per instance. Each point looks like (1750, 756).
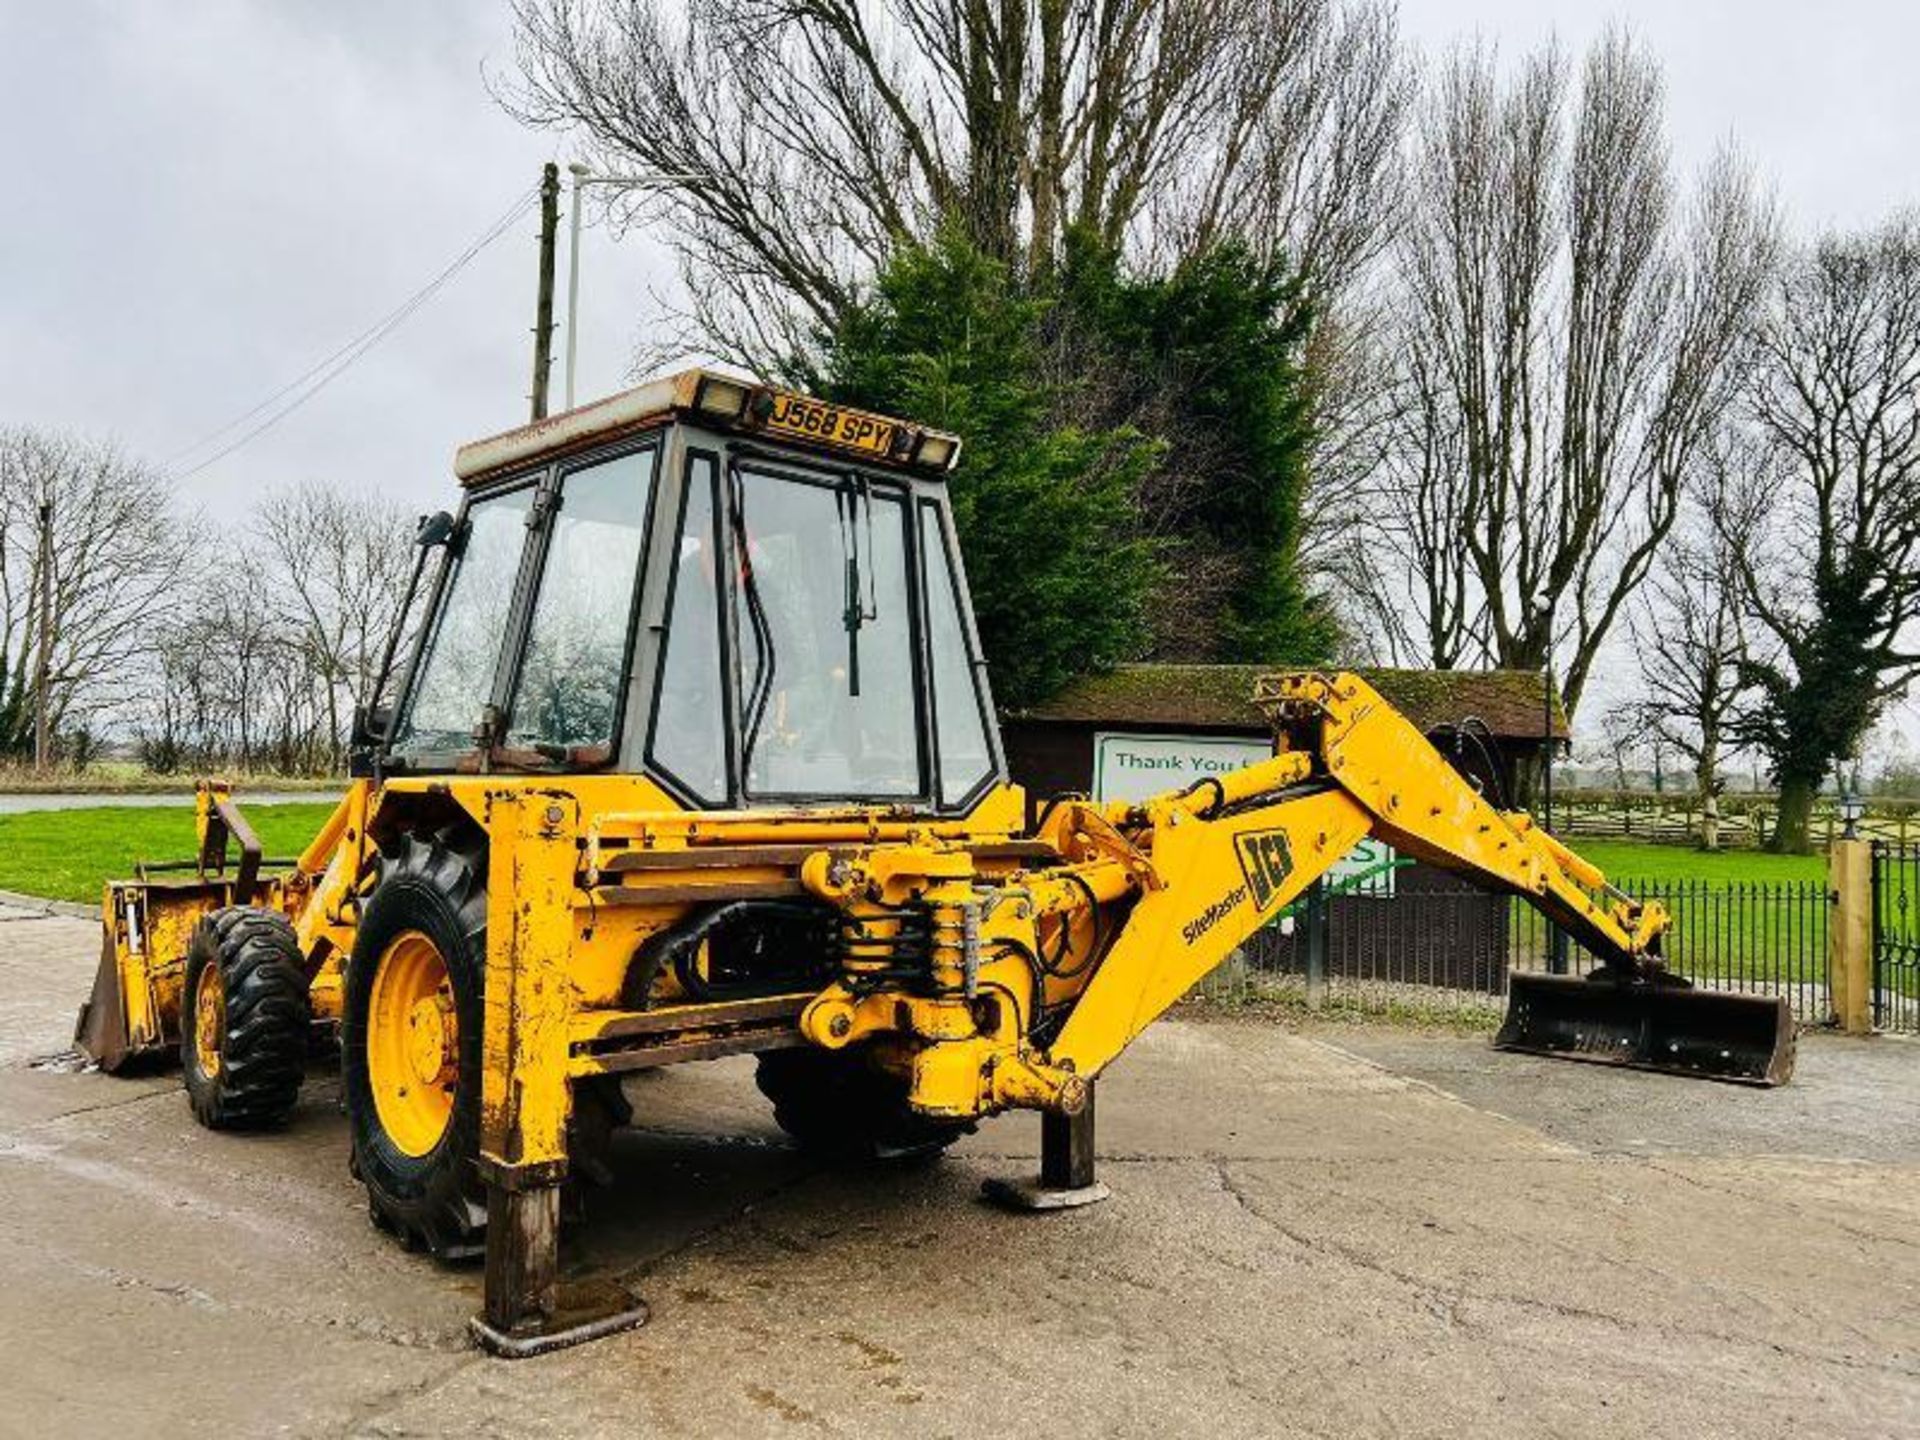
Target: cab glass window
(568, 692)
(823, 611)
(454, 676)
(959, 717)
(689, 741)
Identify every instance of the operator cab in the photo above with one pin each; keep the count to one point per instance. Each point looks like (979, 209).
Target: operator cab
(753, 598)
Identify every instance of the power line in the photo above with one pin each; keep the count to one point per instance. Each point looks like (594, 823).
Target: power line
(311, 382)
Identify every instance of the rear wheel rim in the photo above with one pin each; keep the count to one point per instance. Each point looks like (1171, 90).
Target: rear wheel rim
(413, 1043)
(209, 1020)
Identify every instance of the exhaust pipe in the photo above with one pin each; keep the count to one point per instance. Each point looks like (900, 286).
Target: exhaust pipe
(1662, 1023)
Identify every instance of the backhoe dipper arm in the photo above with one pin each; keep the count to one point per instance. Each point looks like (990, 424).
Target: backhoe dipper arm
(1217, 862)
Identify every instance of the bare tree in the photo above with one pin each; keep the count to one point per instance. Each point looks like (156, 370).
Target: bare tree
(1403, 562)
(117, 556)
(1619, 746)
(796, 142)
(1690, 638)
(227, 682)
(1569, 345)
(1828, 539)
(338, 566)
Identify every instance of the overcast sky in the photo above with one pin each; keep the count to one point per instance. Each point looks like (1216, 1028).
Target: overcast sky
(207, 197)
(210, 197)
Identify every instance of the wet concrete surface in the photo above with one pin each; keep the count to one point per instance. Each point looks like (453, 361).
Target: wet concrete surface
(1850, 1099)
(1330, 1233)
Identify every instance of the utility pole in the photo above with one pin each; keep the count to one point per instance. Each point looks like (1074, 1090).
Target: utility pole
(1546, 739)
(43, 667)
(581, 174)
(543, 303)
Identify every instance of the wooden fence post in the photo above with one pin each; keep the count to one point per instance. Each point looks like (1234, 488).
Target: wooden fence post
(1850, 935)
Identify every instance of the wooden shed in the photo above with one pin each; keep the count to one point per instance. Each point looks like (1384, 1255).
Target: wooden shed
(1495, 724)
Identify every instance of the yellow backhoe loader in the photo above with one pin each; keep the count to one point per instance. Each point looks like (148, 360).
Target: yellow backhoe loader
(693, 754)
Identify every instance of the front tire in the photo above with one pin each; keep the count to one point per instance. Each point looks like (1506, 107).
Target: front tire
(245, 1018)
(410, 1045)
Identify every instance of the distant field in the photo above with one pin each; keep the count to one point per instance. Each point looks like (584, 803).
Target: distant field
(69, 854)
(124, 777)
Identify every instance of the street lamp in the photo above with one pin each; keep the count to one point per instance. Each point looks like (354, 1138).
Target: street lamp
(1852, 807)
(583, 176)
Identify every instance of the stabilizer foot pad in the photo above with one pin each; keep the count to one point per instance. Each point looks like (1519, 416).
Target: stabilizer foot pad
(587, 1310)
(1035, 1195)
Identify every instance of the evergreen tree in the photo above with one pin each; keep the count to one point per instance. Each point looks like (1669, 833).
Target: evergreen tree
(1135, 450)
(1212, 351)
(1059, 569)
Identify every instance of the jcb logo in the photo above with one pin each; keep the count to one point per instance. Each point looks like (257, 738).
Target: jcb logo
(1267, 860)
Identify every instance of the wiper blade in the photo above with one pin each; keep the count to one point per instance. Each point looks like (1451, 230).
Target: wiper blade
(854, 495)
(762, 691)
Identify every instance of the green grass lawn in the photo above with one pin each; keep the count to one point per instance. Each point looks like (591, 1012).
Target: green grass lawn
(70, 854)
(67, 854)
(1721, 931)
(1635, 860)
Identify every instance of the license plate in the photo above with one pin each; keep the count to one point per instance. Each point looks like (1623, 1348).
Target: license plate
(829, 425)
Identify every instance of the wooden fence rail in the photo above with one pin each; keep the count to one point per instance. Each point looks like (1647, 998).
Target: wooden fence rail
(1745, 820)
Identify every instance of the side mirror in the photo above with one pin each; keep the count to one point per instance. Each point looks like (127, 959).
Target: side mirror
(435, 530)
(371, 724)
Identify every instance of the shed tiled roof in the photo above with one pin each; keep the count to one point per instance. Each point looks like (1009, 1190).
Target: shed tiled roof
(1511, 703)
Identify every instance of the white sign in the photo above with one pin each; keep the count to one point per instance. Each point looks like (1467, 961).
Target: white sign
(1132, 767)
(1138, 767)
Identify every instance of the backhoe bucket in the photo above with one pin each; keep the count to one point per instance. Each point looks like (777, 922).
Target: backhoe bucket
(1666, 1025)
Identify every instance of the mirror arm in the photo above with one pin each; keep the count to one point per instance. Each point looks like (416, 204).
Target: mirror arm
(435, 531)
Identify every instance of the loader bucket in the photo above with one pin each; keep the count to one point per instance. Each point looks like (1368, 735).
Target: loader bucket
(1666, 1025)
(146, 927)
(101, 1032)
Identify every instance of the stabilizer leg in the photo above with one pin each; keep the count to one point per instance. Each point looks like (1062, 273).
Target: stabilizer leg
(1066, 1180)
(528, 1309)
(524, 1096)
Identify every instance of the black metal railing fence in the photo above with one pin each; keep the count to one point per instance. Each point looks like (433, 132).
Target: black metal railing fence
(1452, 949)
(1896, 936)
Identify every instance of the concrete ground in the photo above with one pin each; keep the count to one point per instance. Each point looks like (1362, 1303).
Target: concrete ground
(1343, 1232)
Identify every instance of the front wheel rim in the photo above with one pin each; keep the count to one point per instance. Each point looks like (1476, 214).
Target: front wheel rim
(413, 1043)
(209, 1020)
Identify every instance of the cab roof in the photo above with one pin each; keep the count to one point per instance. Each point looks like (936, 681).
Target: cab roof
(721, 402)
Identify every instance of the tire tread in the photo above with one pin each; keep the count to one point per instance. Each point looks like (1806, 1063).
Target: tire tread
(269, 1013)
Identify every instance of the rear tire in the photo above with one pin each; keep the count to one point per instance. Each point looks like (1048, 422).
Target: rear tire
(426, 927)
(841, 1108)
(245, 1014)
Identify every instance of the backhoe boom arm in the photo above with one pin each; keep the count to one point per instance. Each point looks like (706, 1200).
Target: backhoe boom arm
(1230, 854)
(1017, 989)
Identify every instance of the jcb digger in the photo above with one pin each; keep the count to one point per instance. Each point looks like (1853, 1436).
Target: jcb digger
(693, 753)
